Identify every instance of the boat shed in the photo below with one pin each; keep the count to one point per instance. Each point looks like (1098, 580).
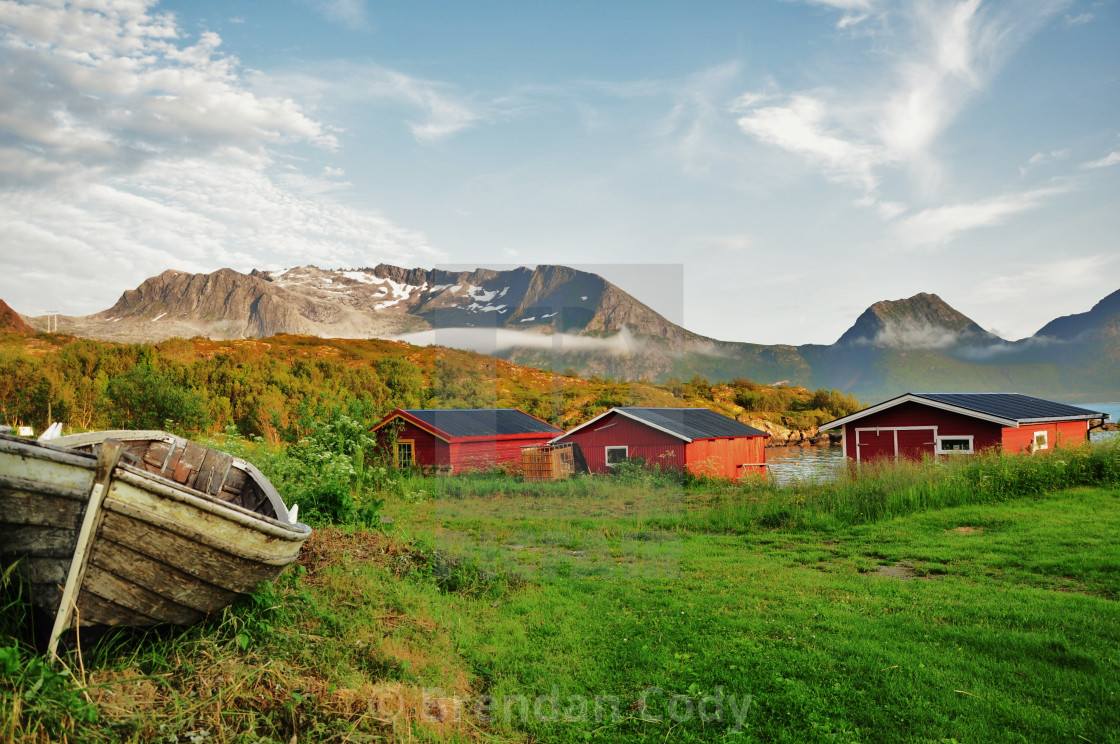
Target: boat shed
(918, 425)
(455, 441)
(698, 440)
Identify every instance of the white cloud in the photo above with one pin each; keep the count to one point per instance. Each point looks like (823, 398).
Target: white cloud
(106, 90)
(346, 12)
(944, 53)
(852, 19)
(443, 110)
(805, 126)
(1079, 20)
(939, 225)
(855, 11)
(887, 210)
(694, 124)
(1029, 293)
(1044, 279)
(497, 340)
(1041, 158)
(127, 150)
(1107, 161)
(913, 335)
(844, 4)
(194, 215)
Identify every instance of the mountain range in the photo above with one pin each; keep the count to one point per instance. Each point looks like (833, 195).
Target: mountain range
(564, 319)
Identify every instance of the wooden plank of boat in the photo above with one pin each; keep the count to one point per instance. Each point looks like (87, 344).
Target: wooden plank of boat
(107, 460)
(157, 551)
(43, 493)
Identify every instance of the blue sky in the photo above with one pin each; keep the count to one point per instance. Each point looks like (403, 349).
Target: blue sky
(793, 161)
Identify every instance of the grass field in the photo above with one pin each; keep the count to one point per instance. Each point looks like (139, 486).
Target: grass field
(639, 612)
(982, 623)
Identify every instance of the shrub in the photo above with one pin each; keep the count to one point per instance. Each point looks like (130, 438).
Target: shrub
(750, 400)
(146, 398)
(333, 472)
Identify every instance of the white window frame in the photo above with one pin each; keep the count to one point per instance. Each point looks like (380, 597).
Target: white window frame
(607, 450)
(411, 444)
(971, 445)
(1045, 440)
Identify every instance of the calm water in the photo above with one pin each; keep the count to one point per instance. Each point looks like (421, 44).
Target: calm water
(1112, 409)
(793, 464)
(800, 464)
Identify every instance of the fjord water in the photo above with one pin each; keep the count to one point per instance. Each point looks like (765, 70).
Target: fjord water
(789, 465)
(1113, 411)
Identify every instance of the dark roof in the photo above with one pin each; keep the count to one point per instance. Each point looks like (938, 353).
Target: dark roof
(1021, 408)
(482, 422)
(691, 423)
(1007, 409)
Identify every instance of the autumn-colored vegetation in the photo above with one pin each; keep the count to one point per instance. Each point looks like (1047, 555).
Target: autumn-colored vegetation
(276, 388)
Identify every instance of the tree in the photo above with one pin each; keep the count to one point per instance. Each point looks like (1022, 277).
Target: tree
(403, 380)
(146, 398)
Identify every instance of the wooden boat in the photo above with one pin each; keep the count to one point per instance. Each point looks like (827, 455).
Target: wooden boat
(138, 527)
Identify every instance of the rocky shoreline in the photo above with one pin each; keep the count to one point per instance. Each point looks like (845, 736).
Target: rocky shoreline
(781, 436)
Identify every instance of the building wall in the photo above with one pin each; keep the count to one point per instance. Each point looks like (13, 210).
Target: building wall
(483, 455)
(913, 422)
(723, 457)
(1060, 434)
(614, 430)
(719, 457)
(429, 450)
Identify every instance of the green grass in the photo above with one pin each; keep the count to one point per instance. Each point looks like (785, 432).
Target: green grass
(972, 604)
(1008, 633)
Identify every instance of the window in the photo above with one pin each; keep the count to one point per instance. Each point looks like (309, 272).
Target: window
(961, 445)
(406, 453)
(1039, 440)
(616, 455)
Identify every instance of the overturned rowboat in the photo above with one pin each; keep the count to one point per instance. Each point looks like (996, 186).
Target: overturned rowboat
(138, 528)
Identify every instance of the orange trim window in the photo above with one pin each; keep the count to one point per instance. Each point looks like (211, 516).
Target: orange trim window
(406, 453)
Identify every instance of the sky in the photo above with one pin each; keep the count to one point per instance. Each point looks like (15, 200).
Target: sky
(786, 163)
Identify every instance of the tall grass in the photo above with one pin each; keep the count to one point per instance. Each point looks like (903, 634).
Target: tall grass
(878, 491)
(632, 476)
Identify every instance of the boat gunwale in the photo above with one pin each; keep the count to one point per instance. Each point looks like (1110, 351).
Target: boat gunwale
(134, 435)
(157, 485)
(145, 480)
(45, 451)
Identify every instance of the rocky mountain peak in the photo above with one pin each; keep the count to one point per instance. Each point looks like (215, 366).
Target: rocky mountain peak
(923, 321)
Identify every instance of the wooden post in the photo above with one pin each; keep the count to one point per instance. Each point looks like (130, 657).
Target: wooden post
(110, 455)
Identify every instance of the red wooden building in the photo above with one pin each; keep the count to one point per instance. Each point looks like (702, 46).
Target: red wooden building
(696, 439)
(918, 425)
(455, 441)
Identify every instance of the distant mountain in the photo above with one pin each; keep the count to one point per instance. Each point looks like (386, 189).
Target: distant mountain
(382, 301)
(923, 321)
(560, 318)
(1101, 319)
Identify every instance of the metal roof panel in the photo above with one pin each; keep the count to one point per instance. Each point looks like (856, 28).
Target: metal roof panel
(1022, 408)
(692, 423)
(482, 422)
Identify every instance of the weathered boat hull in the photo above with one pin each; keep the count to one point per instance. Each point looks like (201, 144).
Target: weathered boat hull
(158, 551)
